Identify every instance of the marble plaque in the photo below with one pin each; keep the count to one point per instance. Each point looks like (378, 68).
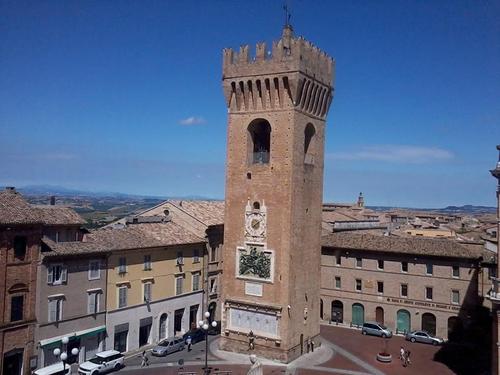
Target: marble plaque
(246, 321)
(253, 289)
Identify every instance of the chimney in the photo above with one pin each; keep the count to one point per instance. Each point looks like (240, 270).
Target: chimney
(52, 200)
(10, 188)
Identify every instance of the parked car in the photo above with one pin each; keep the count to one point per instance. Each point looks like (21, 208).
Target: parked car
(196, 334)
(376, 329)
(422, 336)
(55, 369)
(107, 361)
(167, 346)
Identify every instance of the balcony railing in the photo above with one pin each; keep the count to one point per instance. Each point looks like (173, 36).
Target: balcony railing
(494, 293)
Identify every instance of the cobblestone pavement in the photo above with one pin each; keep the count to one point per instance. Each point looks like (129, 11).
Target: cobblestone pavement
(365, 348)
(344, 351)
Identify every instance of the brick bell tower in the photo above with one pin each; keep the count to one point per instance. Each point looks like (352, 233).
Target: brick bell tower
(277, 105)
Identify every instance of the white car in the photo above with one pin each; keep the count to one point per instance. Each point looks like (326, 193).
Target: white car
(55, 369)
(110, 360)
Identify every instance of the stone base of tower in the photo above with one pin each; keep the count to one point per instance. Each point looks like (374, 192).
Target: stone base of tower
(237, 343)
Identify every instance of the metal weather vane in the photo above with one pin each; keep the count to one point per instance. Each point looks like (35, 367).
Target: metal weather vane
(288, 15)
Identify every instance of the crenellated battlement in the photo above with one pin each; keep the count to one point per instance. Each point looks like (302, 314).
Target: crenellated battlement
(294, 73)
(287, 54)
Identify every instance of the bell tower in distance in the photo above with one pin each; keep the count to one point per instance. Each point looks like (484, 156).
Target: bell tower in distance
(277, 105)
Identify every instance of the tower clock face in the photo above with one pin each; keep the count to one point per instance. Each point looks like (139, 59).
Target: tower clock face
(255, 224)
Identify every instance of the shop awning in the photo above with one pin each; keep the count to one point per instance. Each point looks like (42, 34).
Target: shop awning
(72, 335)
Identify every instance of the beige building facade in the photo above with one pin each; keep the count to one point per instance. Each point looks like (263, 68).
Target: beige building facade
(405, 283)
(205, 219)
(154, 285)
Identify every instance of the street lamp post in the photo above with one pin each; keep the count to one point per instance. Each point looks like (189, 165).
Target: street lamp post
(205, 325)
(62, 354)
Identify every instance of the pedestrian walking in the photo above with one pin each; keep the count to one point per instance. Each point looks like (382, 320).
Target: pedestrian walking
(145, 359)
(407, 358)
(401, 353)
(188, 342)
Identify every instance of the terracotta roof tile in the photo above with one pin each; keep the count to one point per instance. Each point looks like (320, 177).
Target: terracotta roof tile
(401, 245)
(208, 212)
(14, 209)
(132, 236)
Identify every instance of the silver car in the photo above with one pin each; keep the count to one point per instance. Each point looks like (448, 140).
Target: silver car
(376, 329)
(167, 346)
(422, 336)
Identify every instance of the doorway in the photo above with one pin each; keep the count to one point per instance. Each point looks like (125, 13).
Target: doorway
(193, 313)
(13, 362)
(337, 311)
(358, 314)
(178, 321)
(145, 331)
(163, 327)
(379, 315)
(121, 341)
(429, 323)
(403, 321)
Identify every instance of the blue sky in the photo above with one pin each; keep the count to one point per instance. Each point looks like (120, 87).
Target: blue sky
(126, 95)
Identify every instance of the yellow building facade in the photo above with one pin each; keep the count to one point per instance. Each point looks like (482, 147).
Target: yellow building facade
(154, 288)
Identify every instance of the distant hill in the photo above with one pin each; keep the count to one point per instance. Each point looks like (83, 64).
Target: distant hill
(60, 191)
(63, 192)
(467, 209)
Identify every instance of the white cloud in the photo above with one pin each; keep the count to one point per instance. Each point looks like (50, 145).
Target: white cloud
(396, 154)
(193, 120)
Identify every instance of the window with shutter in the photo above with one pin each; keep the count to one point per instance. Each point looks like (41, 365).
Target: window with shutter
(50, 275)
(178, 284)
(93, 303)
(20, 244)
(147, 262)
(16, 308)
(122, 296)
(147, 292)
(94, 270)
(180, 258)
(55, 310)
(196, 282)
(122, 267)
(59, 305)
(57, 274)
(52, 310)
(64, 274)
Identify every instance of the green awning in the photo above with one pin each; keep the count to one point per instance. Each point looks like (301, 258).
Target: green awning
(73, 335)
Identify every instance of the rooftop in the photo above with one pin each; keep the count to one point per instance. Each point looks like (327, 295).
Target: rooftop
(208, 212)
(133, 236)
(402, 245)
(14, 209)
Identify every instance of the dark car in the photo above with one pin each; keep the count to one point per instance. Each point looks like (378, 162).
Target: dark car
(196, 334)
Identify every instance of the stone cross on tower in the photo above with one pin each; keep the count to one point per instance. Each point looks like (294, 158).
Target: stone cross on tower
(277, 106)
